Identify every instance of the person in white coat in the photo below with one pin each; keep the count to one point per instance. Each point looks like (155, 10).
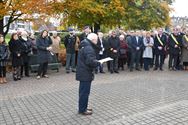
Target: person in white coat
(148, 51)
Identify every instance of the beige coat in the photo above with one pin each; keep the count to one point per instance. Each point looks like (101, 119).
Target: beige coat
(185, 50)
(56, 44)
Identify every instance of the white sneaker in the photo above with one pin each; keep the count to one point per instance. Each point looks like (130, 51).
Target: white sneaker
(38, 77)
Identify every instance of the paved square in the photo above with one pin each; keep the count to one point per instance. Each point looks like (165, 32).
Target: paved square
(128, 98)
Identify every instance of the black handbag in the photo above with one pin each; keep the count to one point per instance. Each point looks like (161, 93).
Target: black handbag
(122, 51)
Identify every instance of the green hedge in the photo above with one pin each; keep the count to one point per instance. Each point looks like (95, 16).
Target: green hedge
(7, 38)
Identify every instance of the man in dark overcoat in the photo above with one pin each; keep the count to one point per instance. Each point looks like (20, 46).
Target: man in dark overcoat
(86, 65)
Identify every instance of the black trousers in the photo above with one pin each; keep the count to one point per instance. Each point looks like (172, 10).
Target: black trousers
(42, 70)
(2, 71)
(135, 58)
(147, 63)
(121, 62)
(16, 72)
(25, 69)
(114, 64)
(159, 61)
(128, 58)
(173, 59)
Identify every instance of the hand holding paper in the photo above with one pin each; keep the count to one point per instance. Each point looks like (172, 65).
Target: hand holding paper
(105, 60)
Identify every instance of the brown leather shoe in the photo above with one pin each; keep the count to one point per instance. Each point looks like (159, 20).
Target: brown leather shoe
(4, 80)
(86, 113)
(89, 109)
(1, 80)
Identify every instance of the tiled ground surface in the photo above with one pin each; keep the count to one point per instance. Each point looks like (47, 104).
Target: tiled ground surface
(128, 98)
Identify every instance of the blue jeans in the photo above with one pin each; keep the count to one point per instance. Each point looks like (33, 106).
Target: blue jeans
(84, 91)
(70, 61)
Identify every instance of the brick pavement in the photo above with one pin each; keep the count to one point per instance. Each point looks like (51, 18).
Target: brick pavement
(128, 98)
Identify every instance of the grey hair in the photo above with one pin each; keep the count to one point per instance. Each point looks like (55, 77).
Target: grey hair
(92, 36)
(122, 36)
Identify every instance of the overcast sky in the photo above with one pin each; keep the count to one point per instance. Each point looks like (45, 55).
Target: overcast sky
(181, 8)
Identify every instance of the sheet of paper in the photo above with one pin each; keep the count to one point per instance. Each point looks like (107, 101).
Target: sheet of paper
(105, 60)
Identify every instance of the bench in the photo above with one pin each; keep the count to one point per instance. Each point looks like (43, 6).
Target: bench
(52, 65)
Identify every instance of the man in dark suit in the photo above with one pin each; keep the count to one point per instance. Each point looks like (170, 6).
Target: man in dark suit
(179, 62)
(114, 46)
(129, 41)
(160, 41)
(136, 49)
(87, 62)
(174, 49)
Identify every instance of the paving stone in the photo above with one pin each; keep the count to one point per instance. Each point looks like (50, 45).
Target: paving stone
(135, 98)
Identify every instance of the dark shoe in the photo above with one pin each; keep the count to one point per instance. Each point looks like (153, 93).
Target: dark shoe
(138, 69)
(73, 70)
(116, 71)
(19, 78)
(67, 71)
(89, 109)
(86, 113)
(161, 69)
(155, 69)
(102, 72)
(111, 72)
(131, 70)
(15, 79)
(27, 75)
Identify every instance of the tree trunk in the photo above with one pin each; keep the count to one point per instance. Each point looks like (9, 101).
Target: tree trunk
(1, 22)
(96, 27)
(1, 26)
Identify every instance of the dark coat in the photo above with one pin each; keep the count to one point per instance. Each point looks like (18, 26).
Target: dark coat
(134, 44)
(87, 61)
(82, 36)
(70, 42)
(114, 44)
(172, 43)
(123, 49)
(129, 41)
(43, 54)
(26, 50)
(3, 52)
(107, 47)
(15, 47)
(157, 44)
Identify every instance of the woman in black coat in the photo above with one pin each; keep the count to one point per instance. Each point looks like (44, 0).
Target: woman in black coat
(26, 51)
(15, 47)
(43, 44)
(3, 59)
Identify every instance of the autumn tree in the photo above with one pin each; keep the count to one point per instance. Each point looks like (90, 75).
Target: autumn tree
(147, 14)
(22, 9)
(92, 12)
(133, 14)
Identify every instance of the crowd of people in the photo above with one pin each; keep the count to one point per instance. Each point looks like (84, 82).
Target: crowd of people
(143, 49)
(134, 49)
